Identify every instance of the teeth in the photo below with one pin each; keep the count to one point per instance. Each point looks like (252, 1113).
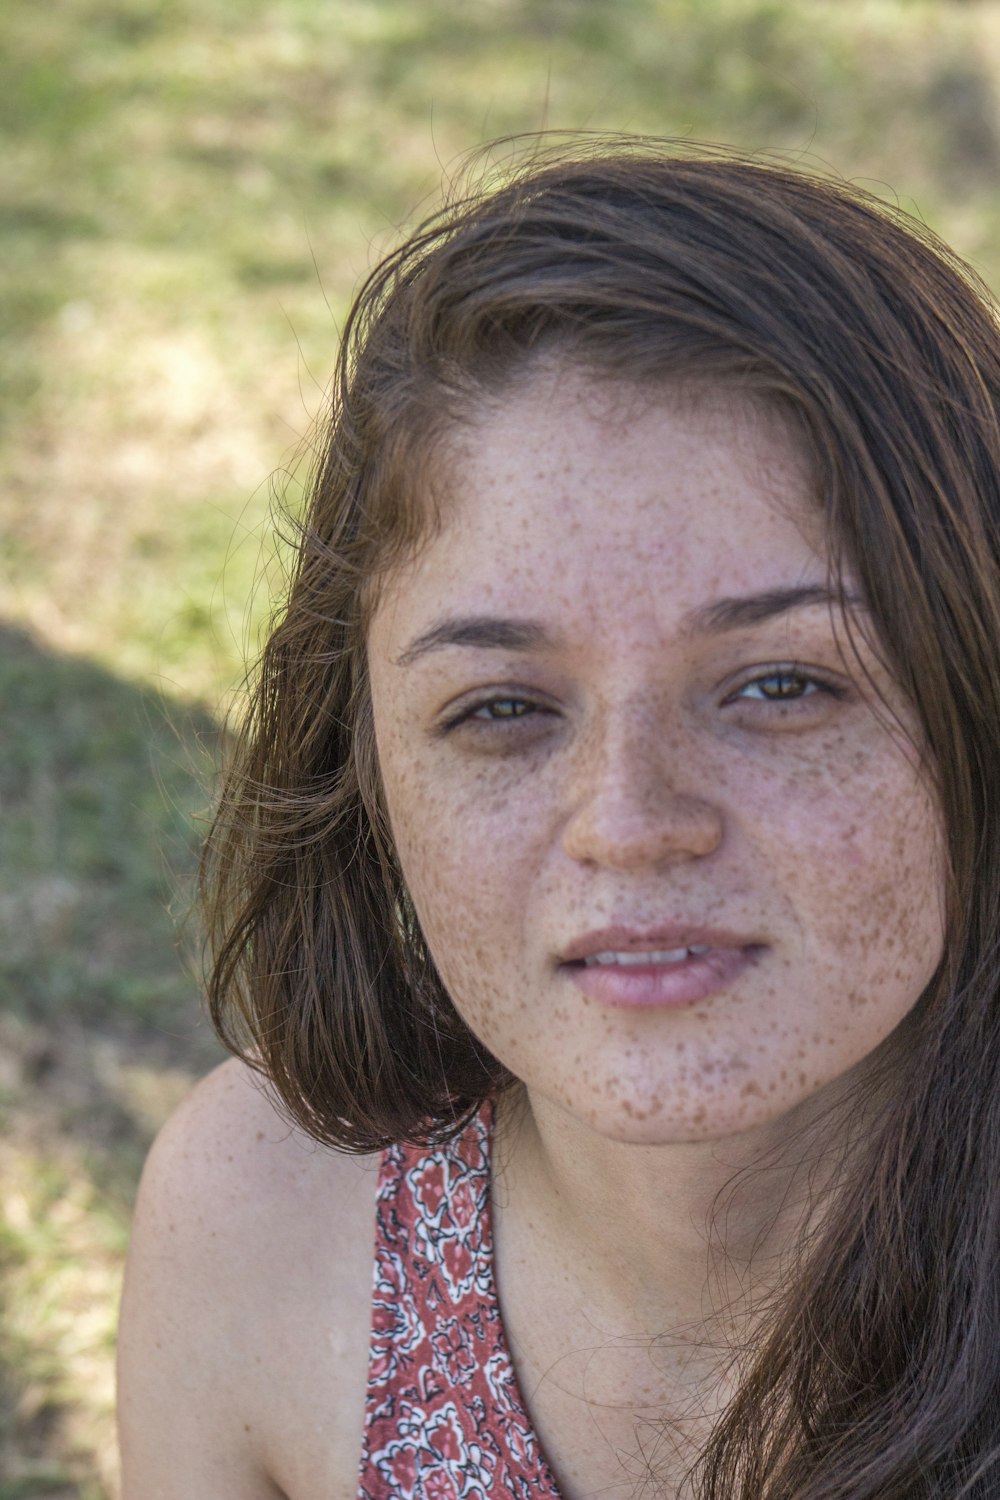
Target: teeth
(635, 960)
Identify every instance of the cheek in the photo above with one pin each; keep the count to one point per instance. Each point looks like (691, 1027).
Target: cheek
(865, 868)
(469, 853)
(472, 901)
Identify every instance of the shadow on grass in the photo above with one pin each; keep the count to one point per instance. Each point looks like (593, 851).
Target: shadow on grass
(101, 1030)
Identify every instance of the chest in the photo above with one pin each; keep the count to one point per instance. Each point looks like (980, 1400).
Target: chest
(598, 1431)
(617, 1410)
(607, 1416)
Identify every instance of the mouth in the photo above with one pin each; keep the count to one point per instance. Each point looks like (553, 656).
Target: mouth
(667, 969)
(668, 942)
(634, 960)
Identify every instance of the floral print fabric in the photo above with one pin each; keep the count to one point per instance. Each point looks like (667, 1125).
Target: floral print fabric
(444, 1417)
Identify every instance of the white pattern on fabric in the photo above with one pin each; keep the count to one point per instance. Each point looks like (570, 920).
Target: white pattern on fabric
(444, 1418)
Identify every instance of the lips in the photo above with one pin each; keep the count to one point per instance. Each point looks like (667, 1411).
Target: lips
(663, 968)
(668, 939)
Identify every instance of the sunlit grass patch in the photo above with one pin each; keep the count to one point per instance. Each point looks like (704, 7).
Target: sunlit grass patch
(60, 1273)
(78, 1108)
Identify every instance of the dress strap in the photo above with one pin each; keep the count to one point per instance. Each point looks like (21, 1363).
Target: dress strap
(445, 1419)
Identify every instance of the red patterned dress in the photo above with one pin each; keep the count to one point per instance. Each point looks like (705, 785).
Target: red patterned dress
(444, 1417)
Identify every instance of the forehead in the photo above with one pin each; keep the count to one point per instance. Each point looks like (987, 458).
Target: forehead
(571, 493)
(563, 422)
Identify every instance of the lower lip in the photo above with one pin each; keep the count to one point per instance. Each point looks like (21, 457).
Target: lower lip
(662, 986)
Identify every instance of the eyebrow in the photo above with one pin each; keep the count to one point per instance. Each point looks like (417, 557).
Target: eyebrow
(496, 633)
(751, 609)
(487, 631)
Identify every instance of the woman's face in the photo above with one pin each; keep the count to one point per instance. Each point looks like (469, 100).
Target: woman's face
(674, 864)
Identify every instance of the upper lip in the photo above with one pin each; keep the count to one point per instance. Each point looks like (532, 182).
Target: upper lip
(666, 938)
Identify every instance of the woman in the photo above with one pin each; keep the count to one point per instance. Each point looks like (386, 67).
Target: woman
(610, 853)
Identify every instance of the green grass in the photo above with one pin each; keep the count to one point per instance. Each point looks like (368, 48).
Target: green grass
(190, 186)
(188, 193)
(102, 784)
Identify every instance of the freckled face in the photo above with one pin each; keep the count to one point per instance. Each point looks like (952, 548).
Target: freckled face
(616, 723)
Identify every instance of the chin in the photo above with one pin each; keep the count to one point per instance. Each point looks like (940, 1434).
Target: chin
(633, 1123)
(650, 1133)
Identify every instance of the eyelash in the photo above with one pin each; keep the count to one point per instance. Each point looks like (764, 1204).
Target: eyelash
(480, 713)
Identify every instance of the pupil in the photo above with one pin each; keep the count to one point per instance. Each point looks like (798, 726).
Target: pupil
(782, 685)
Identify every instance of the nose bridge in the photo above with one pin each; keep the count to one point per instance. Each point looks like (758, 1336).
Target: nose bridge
(637, 794)
(636, 749)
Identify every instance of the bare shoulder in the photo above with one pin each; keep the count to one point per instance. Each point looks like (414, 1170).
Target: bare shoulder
(228, 1148)
(245, 1319)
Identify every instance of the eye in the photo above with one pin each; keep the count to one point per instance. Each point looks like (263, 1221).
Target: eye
(502, 708)
(781, 687)
(494, 713)
(784, 693)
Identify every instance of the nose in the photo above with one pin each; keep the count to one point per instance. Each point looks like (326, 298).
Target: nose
(634, 804)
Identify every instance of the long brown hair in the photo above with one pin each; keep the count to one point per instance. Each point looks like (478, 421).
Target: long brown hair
(878, 1378)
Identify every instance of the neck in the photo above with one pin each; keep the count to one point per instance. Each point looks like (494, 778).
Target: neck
(659, 1236)
(635, 1280)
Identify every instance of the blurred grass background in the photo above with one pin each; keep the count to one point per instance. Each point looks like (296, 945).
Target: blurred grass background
(188, 193)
